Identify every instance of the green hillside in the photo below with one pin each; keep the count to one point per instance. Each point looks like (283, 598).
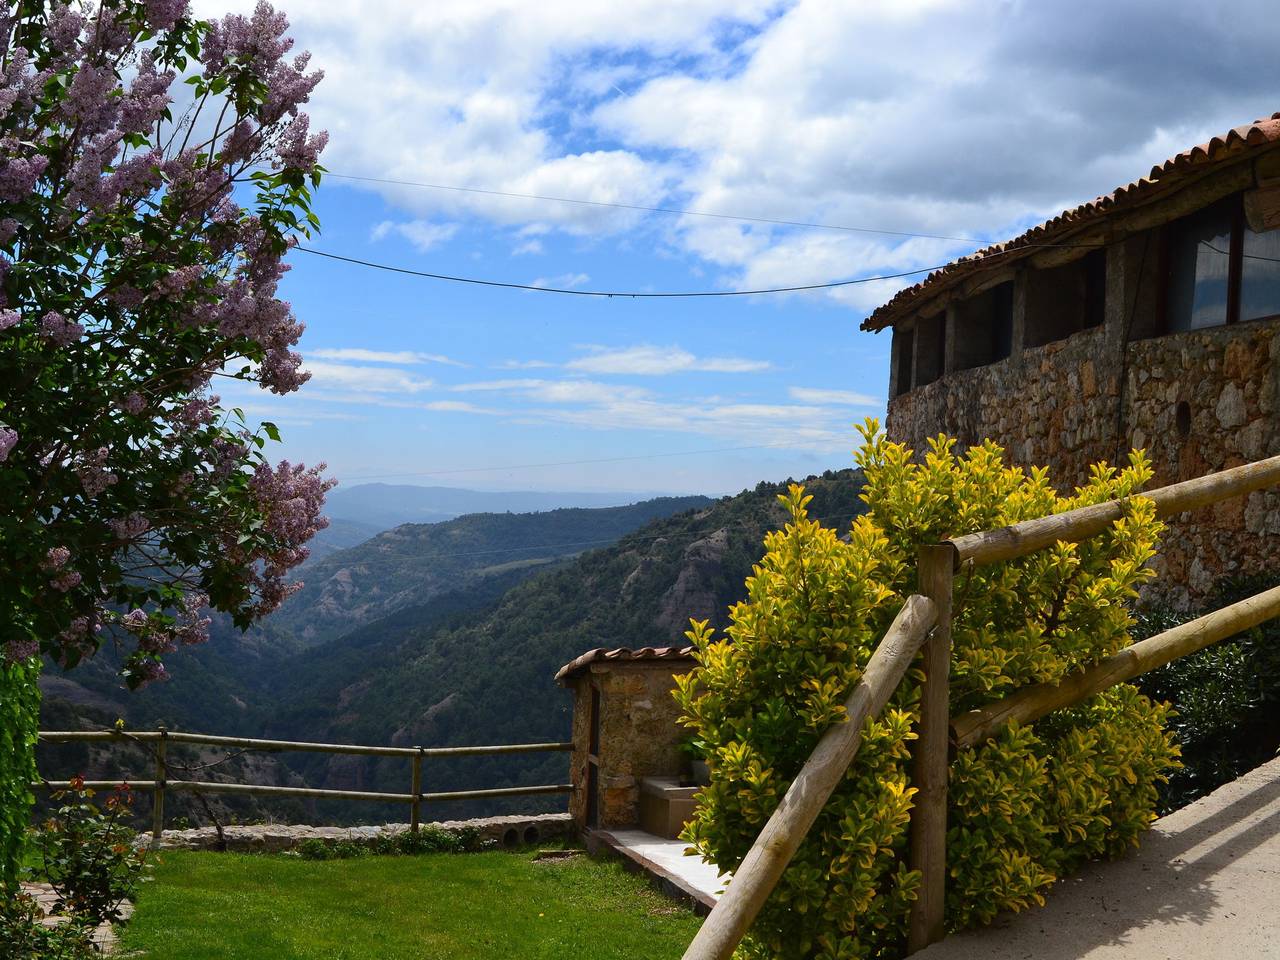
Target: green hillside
(469, 653)
(415, 562)
(489, 679)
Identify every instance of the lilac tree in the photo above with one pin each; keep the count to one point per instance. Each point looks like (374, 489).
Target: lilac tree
(154, 171)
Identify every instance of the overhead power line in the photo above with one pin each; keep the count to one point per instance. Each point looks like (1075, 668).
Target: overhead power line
(614, 293)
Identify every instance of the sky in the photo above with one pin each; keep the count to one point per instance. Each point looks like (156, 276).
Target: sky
(968, 120)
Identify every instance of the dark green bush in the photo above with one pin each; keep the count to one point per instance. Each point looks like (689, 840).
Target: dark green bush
(429, 839)
(19, 722)
(1226, 698)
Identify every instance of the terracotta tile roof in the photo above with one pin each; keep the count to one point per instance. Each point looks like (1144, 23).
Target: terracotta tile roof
(601, 654)
(1249, 137)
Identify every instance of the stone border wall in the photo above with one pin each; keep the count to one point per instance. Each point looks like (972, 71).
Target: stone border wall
(508, 831)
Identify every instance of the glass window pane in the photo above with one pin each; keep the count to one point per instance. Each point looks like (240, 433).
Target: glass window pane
(1199, 268)
(1260, 275)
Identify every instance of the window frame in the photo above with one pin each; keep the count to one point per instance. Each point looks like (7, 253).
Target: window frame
(1235, 268)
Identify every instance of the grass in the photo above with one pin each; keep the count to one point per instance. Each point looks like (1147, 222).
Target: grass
(222, 906)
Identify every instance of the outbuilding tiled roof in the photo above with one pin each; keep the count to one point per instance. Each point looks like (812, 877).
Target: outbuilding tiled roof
(622, 654)
(1258, 135)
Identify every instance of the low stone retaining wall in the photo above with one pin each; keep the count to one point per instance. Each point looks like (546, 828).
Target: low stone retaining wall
(510, 831)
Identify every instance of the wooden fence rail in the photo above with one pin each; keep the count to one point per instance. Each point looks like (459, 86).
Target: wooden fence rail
(415, 797)
(938, 733)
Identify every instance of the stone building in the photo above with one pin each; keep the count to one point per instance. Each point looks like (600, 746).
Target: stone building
(1149, 317)
(625, 730)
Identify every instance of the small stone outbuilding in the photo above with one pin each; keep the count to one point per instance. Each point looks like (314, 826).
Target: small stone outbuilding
(625, 729)
(1149, 317)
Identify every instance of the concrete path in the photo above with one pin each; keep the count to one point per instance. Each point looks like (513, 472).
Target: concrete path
(1204, 884)
(667, 860)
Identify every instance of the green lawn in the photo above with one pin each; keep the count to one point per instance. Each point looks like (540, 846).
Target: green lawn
(209, 906)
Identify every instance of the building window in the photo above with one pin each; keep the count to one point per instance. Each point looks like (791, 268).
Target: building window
(1220, 271)
(1095, 289)
(1260, 275)
(904, 353)
(1062, 301)
(931, 348)
(984, 328)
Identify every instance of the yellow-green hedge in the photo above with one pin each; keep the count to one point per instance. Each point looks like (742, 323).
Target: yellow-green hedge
(1026, 806)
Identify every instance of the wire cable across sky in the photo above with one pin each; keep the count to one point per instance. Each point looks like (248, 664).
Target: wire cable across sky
(626, 294)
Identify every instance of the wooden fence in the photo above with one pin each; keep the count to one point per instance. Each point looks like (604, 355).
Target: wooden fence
(925, 624)
(162, 737)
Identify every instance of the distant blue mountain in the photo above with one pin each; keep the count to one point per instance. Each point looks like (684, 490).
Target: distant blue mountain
(381, 506)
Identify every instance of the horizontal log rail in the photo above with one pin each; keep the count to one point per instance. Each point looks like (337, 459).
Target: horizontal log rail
(253, 789)
(273, 746)
(1038, 700)
(777, 843)
(1020, 539)
(160, 739)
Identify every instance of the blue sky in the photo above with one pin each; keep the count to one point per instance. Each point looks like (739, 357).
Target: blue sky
(950, 118)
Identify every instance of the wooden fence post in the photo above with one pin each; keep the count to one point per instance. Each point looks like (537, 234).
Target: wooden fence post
(415, 809)
(157, 797)
(931, 761)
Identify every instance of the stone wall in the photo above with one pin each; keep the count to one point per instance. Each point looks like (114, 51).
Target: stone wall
(508, 831)
(1197, 402)
(639, 736)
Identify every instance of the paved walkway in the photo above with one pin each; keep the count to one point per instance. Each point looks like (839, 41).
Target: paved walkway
(104, 938)
(667, 860)
(1204, 884)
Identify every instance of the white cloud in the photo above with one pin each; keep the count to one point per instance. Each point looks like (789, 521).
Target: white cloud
(383, 356)
(947, 117)
(363, 379)
(456, 406)
(557, 391)
(423, 234)
(608, 406)
(648, 360)
(566, 281)
(844, 398)
(524, 364)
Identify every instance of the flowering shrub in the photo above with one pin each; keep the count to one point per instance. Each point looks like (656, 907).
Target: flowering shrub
(87, 854)
(154, 170)
(1024, 807)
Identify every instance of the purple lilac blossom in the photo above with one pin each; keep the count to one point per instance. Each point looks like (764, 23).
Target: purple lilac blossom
(67, 580)
(59, 329)
(56, 558)
(130, 527)
(19, 651)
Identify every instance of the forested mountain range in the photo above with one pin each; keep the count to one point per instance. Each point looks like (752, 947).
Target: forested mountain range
(451, 633)
(386, 505)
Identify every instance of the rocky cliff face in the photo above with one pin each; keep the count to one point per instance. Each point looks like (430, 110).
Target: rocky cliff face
(698, 591)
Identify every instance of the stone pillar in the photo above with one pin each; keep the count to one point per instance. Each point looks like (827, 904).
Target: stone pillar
(634, 733)
(1021, 316)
